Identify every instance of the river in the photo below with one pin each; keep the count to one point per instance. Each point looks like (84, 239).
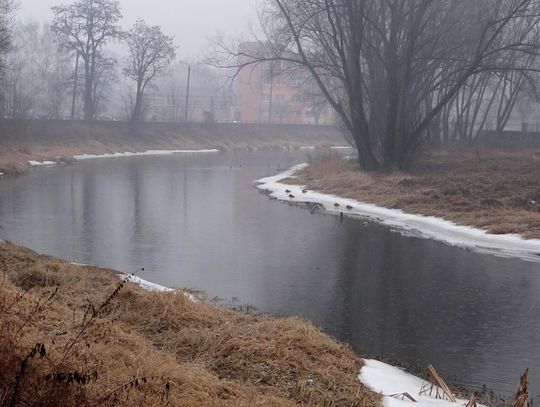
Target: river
(197, 221)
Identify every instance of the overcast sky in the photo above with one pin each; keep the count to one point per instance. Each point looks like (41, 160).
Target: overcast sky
(190, 21)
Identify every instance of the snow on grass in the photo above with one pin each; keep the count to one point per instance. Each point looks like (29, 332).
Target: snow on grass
(145, 285)
(148, 152)
(149, 286)
(80, 264)
(408, 224)
(41, 163)
(389, 380)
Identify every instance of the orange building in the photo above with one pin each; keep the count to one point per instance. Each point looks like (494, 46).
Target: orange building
(272, 92)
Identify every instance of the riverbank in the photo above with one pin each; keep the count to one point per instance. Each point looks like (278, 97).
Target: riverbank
(60, 141)
(487, 201)
(105, 342)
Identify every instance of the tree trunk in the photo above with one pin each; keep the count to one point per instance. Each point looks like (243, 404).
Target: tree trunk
(137, 109)
(361, 136)
(88, 91)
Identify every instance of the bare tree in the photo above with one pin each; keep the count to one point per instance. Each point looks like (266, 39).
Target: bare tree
(7, 11)
(106, 75)
(37, 76)
(84, 27)
(314, 99)
(174, 102)
(150, 54)
(389, 68)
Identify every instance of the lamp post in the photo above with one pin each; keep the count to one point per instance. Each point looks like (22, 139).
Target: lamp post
(187, 90)
(75, 84)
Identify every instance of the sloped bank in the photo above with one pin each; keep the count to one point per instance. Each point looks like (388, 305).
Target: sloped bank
(59, 141)
(102, 342)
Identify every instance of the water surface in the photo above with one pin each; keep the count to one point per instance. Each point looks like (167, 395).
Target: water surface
(197, 221)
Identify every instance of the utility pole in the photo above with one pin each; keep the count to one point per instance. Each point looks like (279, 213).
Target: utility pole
(187, 92)
(75, 84)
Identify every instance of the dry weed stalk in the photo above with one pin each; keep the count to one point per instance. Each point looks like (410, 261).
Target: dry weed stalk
(152, 349)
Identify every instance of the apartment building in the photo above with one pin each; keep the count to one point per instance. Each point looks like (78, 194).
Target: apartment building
(272, 92)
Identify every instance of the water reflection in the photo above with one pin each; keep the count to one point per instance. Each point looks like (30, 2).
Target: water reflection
(196, 221)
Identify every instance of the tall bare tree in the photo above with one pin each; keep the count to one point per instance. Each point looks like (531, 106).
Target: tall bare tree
(106, 75)
(83, 28)
(390, 67)
(7, 10)
(150, 54)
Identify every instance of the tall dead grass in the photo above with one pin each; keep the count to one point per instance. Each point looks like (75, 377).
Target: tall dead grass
(84, 339)
(494, 190)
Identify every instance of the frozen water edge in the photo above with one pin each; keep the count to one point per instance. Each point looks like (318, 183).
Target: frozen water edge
(79, 157)
(144, 284)
(148, 152)
(149, 286)
(389, 380)
(41, 163)
(508, 245)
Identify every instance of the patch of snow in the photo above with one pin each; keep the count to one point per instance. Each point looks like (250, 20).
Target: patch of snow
(149, 286)
(509, 245)
(40, 163)
(389, 380)
(145, 285)
(307, 148)
(148, 152)
(80, 264)
(341, 147)
(190, 296)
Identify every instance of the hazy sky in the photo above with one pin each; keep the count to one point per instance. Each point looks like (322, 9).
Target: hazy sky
(190, 21)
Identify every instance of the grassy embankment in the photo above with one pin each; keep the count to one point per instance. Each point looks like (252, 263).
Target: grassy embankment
(498, 191)
(55, 140)
(104, 343)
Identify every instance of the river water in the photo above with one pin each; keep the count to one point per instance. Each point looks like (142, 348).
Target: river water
(197, 221)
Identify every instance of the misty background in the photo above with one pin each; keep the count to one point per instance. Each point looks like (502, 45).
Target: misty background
(190, 22)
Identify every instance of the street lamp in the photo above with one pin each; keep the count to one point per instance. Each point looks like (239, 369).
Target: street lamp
(187, 89)
(75, 83)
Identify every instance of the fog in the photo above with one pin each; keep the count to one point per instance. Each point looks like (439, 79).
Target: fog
(191, 22)
(369, 166)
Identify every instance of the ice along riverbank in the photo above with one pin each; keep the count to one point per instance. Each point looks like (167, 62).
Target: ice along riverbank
(430, 227)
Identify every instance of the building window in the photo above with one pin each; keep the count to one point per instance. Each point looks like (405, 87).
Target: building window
(267, 80)
(267, 67)
(280, 98)
(265, 97)
(280, 81)
(296, 98)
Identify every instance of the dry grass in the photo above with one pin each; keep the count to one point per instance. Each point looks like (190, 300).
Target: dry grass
(498, 191)
(142, 348)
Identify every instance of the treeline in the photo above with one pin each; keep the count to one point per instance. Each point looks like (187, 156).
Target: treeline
(403, 74)
(47, 70)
